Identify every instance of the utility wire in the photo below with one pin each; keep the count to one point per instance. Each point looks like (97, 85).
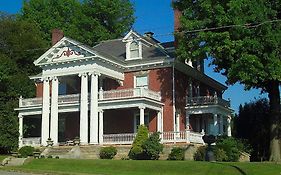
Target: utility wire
(248, 25)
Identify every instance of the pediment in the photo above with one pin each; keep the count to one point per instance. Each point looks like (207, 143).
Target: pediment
(63, 51)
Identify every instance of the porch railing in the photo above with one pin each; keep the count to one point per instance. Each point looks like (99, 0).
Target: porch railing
(129, 93)
(206, 100)
(103, 95)
(72, 98)
(32, 141)
(126, 138)
(30, 102)
(166, 137)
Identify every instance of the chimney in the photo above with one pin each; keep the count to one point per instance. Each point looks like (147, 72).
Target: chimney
(148, 34)
(177, 25)
(177, 15)
(57, 35)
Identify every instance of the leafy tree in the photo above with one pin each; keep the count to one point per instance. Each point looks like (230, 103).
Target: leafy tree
(243, 39)
(18, 39)
(136, 151)
(88, 21)
(252, 124)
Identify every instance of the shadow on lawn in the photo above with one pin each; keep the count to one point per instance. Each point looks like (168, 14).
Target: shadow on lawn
(233, 166)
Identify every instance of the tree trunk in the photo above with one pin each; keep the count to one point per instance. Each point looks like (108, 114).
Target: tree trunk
(274, 105)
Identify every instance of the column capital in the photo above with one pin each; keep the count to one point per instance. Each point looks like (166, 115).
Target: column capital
(54, 78)
(20, 116)
(94, 73)
(101, 111)
(46, 79)
(84, 74)
(142, 107)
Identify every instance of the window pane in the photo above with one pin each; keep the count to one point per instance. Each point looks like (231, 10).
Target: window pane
(141, 81)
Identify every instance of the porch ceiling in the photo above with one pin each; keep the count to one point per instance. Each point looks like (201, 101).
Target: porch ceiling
(209, 109)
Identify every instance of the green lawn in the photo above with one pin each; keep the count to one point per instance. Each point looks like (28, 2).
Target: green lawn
(2, 157)
(126, 167)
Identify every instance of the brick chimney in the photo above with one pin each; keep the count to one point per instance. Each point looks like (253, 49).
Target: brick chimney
(57, 35)
(177, 15)
(177, 25)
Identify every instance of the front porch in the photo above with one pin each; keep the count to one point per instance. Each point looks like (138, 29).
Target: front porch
(128, 138)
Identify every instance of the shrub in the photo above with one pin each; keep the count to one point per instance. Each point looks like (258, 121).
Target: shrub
(232, 148)
(108, 152)
(200, 154)
(152, 147)
(220, 155)
(176, 154)
(26, 151)
(136, 151)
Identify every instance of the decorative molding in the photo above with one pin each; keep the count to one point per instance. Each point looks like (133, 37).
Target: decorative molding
(68, 53)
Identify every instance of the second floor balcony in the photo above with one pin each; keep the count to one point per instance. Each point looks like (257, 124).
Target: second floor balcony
(134, 93)
(206, 100)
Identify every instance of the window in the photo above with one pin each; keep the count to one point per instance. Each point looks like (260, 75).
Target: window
(134, 49)
(141, 81)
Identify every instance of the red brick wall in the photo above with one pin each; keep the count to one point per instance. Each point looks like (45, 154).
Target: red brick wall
(72, 125)
(161, 80)
(39, 89)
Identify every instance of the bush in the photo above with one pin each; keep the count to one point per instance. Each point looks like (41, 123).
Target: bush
(26, 151)
(136, 151)
(232, 148)
(176, 154)
(200, 154)
(220, 155)
(108, 152)
(152, 147)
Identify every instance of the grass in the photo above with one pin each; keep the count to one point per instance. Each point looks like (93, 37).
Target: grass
(128, 167)
(2, 157)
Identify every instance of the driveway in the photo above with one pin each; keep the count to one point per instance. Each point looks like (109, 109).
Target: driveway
(13, 173)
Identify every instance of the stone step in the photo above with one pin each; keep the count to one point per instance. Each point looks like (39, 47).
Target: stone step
(16, 161)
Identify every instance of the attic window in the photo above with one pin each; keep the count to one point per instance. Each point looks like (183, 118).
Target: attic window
(133, 50)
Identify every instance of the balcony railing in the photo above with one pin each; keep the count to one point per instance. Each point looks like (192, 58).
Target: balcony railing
(129, 93)
(103, 95)
(206, 100)
(32, 141)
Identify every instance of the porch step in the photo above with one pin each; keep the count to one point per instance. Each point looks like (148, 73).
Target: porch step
(90, 152)
(56, 151)
(16, 161)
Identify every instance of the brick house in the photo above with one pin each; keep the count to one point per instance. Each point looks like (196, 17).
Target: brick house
(102, 93)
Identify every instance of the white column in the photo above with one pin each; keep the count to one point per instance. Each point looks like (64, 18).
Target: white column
(187, 124)
(141, 115)
(54, 111)
(221, 125)
(20, 130)
(187, 127)
(84, 109)
(215, 124)
(159, 121)
(229, 126)
(94, 109)
(101, 127)
(45, 112)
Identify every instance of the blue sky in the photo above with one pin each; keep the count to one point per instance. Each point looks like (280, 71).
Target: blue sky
(157, 16)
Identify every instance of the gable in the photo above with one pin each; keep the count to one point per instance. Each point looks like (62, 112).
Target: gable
(63, 51)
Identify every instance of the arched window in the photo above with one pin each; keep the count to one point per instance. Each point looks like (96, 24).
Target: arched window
(134, 49)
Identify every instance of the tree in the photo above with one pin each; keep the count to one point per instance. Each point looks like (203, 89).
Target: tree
(252, 124)
(243, 39)
(19, 41)
(88, 21)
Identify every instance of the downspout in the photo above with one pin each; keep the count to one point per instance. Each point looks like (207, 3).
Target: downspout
(174, 104)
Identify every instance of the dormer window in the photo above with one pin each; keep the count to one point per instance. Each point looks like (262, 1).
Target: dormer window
(133, 49)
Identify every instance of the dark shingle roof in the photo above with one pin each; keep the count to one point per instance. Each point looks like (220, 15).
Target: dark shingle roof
(116, 48)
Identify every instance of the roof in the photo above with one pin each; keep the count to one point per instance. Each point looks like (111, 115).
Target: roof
(117, 48)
